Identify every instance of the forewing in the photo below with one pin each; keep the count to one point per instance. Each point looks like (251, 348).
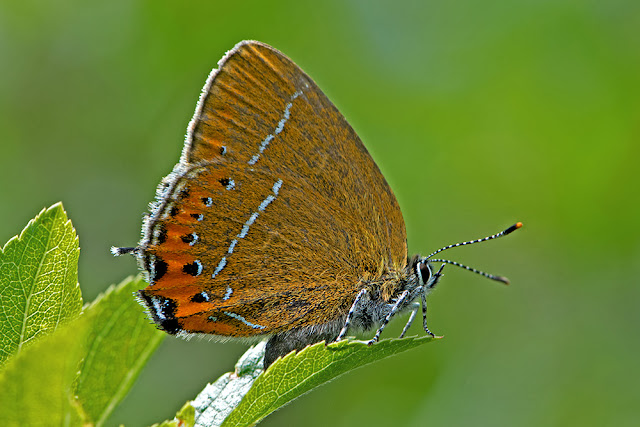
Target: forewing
(275, 210)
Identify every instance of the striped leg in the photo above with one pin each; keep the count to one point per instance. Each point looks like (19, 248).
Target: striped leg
(423, 295)
(410, 321)
(386, 319)
(347, 322)
(424, 314)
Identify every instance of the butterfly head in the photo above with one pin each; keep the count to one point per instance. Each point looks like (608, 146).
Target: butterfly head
(425, 274)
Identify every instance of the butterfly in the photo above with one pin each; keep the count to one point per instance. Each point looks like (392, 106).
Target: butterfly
(276, 222)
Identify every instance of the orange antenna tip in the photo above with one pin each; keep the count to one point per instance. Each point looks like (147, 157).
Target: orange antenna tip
(511, 229)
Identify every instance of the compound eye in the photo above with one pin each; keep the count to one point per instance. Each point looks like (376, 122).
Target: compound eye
(424, 272)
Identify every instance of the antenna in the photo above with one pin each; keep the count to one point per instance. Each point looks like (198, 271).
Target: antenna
(502, 279)
(509, 230)
(473, 270)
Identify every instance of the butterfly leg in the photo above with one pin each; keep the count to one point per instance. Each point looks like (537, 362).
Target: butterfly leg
(424, 314)
(410, 321)
(386, 319)
(352, 310)
(423, 295)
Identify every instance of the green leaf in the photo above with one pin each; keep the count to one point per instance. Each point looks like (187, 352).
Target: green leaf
(119, 342)
(38, 280)
(286, 379)
(37, 385)
(78, 374)
(298, 373)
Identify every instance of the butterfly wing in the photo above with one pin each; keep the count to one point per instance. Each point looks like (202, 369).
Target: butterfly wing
(276, 213)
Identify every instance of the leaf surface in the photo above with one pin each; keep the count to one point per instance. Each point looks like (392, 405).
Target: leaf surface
(37, 385)
(38, 280)
(248, 395)
(119, 342)
(298, 373)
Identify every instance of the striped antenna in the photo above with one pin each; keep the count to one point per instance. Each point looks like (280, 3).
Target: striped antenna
(509, 230)
(466, 267)
(502, 279)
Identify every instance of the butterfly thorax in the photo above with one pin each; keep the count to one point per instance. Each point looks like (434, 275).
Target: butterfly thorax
(382, 294)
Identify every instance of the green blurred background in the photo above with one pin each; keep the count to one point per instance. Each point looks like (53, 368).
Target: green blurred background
(479, 113)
